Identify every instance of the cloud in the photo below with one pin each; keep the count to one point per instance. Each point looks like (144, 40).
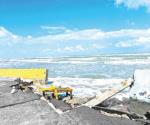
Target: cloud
(56, 29)
(76, 41)
(134, 4)
(76, 48)
(6, 34)
(7, 37)
(80, 48)
(70, 49)
(126, 44)
(53, 28)
(98, 46)
(87, 34)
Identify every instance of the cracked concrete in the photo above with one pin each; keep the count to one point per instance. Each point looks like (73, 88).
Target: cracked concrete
(27, 109)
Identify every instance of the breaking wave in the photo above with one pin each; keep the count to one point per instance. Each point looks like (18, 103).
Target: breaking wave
(86, 87)
(96, 67)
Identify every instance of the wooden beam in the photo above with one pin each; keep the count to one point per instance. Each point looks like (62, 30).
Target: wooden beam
(108, 94)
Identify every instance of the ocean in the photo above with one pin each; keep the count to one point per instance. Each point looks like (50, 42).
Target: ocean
(88, 75)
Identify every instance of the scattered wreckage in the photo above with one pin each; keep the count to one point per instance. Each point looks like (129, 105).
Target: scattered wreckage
(55, 95)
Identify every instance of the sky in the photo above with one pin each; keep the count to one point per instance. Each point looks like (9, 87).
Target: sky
(45, 28)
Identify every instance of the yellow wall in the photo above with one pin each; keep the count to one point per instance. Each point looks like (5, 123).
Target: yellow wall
(33, 74)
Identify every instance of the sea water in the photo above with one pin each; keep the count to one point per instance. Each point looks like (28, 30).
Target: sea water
(87, 75)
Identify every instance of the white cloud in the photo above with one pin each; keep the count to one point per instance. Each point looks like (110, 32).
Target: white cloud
(126, 44)
(135, 4)
(143, 40)
(58, 50)
(56, 29)
(80, 48)
(98, 46)
(77, 41)
(7, 37)
(29, 37)
(87, 34)
(6, 34)
(70, 49)
(53, 28)
(140, 36)
(3, 32)
(76, 48)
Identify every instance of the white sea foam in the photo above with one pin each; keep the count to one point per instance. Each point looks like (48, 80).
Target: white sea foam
(125, 59)
(32, 60)
(79, 62)
(129, 62)
(85, 87)
(54, 61)
(83, 59)
(113, 60)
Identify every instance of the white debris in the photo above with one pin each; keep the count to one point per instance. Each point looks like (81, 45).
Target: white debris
(141, 87)
(13, 90)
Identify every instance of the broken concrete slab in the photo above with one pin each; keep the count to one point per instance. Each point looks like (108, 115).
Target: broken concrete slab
(119, 112)
(147, 115)
(87, 116)
(76, 100)
(61, 105)
(138, 107)
(38, 112)
(5, 86)
(34, 113)
(110, 102)
(7, 99)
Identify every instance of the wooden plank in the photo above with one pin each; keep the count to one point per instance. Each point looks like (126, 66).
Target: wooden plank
(108, 94)
(39, 75)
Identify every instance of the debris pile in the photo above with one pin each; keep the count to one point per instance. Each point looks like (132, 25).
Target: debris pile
(61, 98)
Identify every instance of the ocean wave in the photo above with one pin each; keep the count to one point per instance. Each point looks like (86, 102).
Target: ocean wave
(86, 87)
(130, 59)
(53, 61)
(83, 59)
(129, 62)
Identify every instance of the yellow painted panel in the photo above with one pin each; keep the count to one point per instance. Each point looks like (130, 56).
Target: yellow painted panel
(34, 74)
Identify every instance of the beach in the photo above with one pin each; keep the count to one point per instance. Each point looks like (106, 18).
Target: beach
(74, 62)
(87, 76)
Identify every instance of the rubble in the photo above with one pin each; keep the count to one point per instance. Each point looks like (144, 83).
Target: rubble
(23, 108)
(147, 115)
(8, 99)
(61, 105)
(76, 100)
